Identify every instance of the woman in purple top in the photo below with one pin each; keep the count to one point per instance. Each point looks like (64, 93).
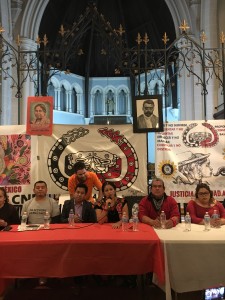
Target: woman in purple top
(204, 202)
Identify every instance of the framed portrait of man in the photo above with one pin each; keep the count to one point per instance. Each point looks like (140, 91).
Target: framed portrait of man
(147, 114)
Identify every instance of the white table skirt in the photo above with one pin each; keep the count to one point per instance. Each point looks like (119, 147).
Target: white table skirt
(194, 260)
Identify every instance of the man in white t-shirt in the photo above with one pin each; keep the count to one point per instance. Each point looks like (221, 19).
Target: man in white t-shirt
(37, 206)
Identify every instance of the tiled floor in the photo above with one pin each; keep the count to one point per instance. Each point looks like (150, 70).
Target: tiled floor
(64, 289)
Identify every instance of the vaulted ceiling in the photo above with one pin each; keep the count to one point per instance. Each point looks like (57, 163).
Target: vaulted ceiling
(91, 45)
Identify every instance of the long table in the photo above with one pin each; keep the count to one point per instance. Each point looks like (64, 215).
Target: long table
(194, 260)
(83, 250)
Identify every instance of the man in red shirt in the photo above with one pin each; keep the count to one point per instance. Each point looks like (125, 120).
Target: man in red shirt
(157, 201)
(81, 175)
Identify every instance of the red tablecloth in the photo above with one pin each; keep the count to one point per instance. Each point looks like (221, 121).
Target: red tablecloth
(83, 250)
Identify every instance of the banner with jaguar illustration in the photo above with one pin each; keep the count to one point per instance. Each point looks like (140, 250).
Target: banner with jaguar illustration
(191, 152)
(112, 152)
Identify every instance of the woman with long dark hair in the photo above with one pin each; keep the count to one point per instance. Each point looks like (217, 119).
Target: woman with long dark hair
(205, 202)
(8, 213)
(111, 209)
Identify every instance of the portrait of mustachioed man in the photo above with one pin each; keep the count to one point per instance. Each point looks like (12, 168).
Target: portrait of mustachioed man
(148, 119)
(148, 114)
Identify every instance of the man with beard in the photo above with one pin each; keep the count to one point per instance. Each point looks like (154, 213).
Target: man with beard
(90, 179)
(151, 206)
(148, 119)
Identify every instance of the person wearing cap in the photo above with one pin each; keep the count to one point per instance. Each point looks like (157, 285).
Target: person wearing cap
(81, 175)
(157, 201)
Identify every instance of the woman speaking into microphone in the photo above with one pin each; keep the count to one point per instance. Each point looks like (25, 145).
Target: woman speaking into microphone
(111, 208)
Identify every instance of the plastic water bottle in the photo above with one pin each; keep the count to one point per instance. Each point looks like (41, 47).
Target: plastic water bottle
(124, 222)
(135, 221)
(23, 221)
(46, 220)
(187, 222)
(215, 216)
(207, 221)
(163, 219)
(71, 218)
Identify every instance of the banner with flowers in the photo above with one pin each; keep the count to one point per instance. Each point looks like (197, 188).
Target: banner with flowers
(114, 153)
(15, 159)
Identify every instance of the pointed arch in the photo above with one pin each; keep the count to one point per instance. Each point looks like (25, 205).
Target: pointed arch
(97, 105)
(77, 103)
(31, 18)
(180, 11)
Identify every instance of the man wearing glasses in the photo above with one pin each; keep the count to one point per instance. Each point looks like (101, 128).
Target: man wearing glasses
(151, 206)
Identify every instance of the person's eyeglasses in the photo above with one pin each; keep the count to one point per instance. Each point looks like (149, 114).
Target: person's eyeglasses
(203, 194)
(157, 186)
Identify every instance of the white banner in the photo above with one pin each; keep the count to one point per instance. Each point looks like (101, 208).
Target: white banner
(114, 153)
(190, 152)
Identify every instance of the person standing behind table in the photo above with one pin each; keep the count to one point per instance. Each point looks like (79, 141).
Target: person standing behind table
(148, 119)
(151, 206)
(204, 202)
(83, 210)
(8, 213)
(81, 175)
(37, 206)
(112, 208)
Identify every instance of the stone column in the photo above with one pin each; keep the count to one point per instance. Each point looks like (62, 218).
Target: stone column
(69, 95)
(80, 108)
(28, 86)
(127, 96)
(92, 105)
(209, 24)
(58, 106)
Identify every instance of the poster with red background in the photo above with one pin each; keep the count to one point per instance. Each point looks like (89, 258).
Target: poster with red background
(39, 115)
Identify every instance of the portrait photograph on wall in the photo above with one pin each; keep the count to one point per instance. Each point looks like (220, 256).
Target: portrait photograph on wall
(147, 114)
(39, 115)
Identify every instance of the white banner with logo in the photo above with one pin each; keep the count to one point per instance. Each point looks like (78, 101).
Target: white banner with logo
(114, 153)
(191, 152)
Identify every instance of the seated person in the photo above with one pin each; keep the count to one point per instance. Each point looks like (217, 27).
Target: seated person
(151, 206)
(83, 210)
(37, 206)
(204, 202)
(8, 213)
(111, 209)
